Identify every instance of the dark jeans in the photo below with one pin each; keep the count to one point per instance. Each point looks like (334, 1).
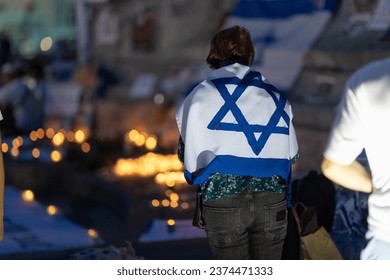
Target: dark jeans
(250, 225)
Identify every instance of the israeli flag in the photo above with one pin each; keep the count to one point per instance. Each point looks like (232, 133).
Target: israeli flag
(282, 32)
(235, 122)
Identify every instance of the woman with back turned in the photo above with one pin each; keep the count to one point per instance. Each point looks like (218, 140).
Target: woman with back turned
(238, 143)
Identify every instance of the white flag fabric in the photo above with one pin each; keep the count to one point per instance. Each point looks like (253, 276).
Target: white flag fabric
(282, 32)
(236, 123)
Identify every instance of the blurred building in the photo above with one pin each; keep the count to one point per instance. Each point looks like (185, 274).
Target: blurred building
(29, 22)
(154, 50)
(148, 54)
(144, 35)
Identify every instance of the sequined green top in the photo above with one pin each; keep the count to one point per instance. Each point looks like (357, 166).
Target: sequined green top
(219, 185)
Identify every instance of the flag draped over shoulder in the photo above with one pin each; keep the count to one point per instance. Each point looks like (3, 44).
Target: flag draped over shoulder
(282, 32)
(236, 123)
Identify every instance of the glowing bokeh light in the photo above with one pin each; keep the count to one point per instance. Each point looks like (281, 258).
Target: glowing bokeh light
(4, 147)
(79, 136)
(36, 153)
(50, 133)
(58, 139)
(41, 133)
(159, 98)
(140, 141)
(155, 203)
(174, 197)
(51, 210)
(33, 136)
(133, 134)
(93, 233)
(85, 147)
(14, 152)
(170, 183)
(165, 202)
(70, 136)
(174, 204)
(17, 142)
(151, 164)
(46, 44)
(168, 193)
(55, 156)
(151, 143)
(28, 195)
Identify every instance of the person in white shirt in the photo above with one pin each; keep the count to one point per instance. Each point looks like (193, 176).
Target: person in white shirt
(363, 124)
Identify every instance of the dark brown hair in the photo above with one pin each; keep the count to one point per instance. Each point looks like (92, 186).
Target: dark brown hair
(231, 44)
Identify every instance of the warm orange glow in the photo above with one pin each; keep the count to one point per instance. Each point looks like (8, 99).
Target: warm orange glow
(20, 140)
(50, 133)
(55, 156)
(17, 142)
(93, 233)
(165, 202)
(35, 153)
(149, 168)
(70, 136)
(120, 168)
(140, 141)
(174, 197)
(62, 130)
(51, 210)
(14, 152)
(151, 143)
(41, 133)
(133, 134)
(170, 183)
(155, 203)
(4, 147)
(171, 222)
(168, 193)
(79, 136)
(85, 147)
(150, 165)
(174, 204)
(28, 195)
(58, 139)
(33, 136)
(160, 178)
(171, 178)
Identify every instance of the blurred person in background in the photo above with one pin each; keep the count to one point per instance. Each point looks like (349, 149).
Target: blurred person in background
(5, 48)
(362, 125)
(21, 100)
(36, 82)
(237, 142)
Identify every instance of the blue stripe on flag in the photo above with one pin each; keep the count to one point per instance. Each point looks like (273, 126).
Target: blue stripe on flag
(256, 167)
(280, 8)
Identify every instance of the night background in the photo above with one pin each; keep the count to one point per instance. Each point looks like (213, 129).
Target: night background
(100, 178)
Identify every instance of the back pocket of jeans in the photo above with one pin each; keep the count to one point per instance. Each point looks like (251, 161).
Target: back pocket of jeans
(276, 220)
(222, 224)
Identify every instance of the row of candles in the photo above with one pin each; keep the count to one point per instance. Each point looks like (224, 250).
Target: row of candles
(166, 169)
(57, 138)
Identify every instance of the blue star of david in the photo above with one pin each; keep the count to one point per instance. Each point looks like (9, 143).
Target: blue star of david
(242, 124)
